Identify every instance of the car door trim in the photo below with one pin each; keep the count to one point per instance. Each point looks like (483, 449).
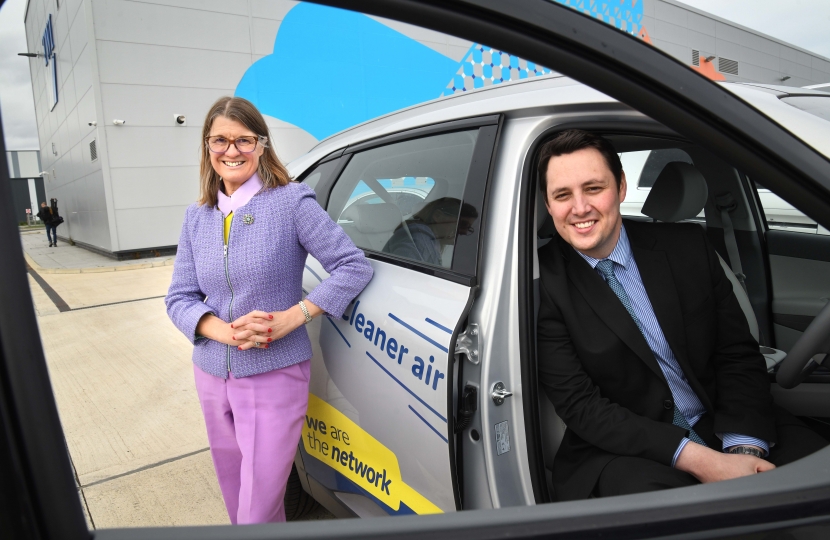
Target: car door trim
(462, 124)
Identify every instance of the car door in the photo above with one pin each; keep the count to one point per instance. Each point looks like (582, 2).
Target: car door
(379, 428)
(37, 488)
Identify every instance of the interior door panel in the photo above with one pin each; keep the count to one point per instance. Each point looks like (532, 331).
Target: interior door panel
(800, 269)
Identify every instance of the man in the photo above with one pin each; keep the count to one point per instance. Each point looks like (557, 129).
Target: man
(47, 217)
(643, 348)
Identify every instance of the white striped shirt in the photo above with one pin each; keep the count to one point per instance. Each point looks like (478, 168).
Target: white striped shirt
(625, 270)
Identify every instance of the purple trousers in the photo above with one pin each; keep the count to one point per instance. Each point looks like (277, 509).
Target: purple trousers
(253, 427)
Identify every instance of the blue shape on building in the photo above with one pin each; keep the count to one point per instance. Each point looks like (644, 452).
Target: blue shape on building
(627, 15)
(353, 69)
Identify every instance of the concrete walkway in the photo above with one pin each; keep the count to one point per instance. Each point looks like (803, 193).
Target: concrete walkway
(69, 259)
(123, 382)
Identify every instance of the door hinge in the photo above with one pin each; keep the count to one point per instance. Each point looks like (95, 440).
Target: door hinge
(467, 343)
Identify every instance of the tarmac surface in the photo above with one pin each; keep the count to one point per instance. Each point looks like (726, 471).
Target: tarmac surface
(123, 382)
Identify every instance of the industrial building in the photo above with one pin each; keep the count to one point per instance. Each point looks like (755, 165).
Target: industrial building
(26, 183)
(121, 88)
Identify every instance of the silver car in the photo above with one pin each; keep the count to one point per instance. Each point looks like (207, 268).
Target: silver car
(424, 396)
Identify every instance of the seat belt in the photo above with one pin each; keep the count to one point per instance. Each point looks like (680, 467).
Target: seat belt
(726, 204)
(381, 192)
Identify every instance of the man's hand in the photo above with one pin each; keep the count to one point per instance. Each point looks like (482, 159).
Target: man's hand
(709, 465)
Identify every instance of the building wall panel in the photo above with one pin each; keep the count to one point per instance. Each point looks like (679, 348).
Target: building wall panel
(157, 146)
(140, 228)
(78, 36)
(699, 23)
(232, 7)
(171, 26)
(155, 106)
(131, 63)
(148, 187)
(271, 9)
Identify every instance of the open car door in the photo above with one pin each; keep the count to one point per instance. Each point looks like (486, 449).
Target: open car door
(379, 433)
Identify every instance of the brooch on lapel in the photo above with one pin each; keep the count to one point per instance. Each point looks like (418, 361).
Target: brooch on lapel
(247, 219)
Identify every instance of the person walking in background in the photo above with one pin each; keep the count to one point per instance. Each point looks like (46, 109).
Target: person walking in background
(236, 294)
(46, 216)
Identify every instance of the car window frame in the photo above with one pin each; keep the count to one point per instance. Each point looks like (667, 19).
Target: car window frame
(466, 252)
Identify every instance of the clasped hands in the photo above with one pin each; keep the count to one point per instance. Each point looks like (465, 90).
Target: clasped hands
(255, 329)
(259, 328)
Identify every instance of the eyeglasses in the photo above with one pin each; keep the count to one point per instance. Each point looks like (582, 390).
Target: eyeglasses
(219, 144)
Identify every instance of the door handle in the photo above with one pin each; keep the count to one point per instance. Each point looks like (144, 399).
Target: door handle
(499, 393)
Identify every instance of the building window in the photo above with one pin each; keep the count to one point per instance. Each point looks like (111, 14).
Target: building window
(93, 150)
(695, 58)
(725, 65)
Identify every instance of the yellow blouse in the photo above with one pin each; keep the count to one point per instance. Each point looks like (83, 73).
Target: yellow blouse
(228, 220)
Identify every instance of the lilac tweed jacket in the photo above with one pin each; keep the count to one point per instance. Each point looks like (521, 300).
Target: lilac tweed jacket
(265, 262)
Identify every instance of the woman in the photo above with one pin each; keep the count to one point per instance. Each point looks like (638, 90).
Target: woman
(236, 294)
(48, 218)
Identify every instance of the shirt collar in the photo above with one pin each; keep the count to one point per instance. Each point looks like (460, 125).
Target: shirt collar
(241, 196)
(621, 254)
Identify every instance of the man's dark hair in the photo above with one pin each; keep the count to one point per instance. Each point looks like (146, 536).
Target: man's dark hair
(572, 140)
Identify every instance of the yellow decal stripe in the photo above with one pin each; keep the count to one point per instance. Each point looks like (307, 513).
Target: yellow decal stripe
(337, 441)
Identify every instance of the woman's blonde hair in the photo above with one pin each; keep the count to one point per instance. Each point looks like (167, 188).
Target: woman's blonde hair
(271, 171)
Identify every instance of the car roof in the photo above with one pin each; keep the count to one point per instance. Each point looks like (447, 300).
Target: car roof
(538, 95)
(781, 90)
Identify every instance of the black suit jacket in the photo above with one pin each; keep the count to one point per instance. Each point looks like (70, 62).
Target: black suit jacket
(602, 377)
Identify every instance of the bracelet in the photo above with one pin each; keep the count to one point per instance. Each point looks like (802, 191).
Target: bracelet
(306, 314)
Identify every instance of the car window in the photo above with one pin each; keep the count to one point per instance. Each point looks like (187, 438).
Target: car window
(642, 168)
(783, 216)
(408, 193)
(322, 171)
(405, 199)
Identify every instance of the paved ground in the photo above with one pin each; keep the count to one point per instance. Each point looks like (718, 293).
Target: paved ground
(123, 381)
(71, 259)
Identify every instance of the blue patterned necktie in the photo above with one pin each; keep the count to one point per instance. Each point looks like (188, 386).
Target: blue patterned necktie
(606, 267)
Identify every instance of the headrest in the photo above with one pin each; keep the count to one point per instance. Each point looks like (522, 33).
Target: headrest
(377, 218)
(679, 192)
(544, 223)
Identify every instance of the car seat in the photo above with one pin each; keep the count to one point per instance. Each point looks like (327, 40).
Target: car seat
(371, 224)
(680, 192)
(552, 427)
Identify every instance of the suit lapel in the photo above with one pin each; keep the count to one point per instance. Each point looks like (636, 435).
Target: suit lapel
(608, 307)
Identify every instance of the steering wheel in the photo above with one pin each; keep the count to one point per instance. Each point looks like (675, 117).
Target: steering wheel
(814, 341)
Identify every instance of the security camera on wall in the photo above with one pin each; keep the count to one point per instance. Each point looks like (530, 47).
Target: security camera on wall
(180, 119)
(118, 122)
(93, 123)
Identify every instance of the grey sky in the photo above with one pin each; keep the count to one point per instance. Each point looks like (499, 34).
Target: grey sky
(16, 102)
(803, 23)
